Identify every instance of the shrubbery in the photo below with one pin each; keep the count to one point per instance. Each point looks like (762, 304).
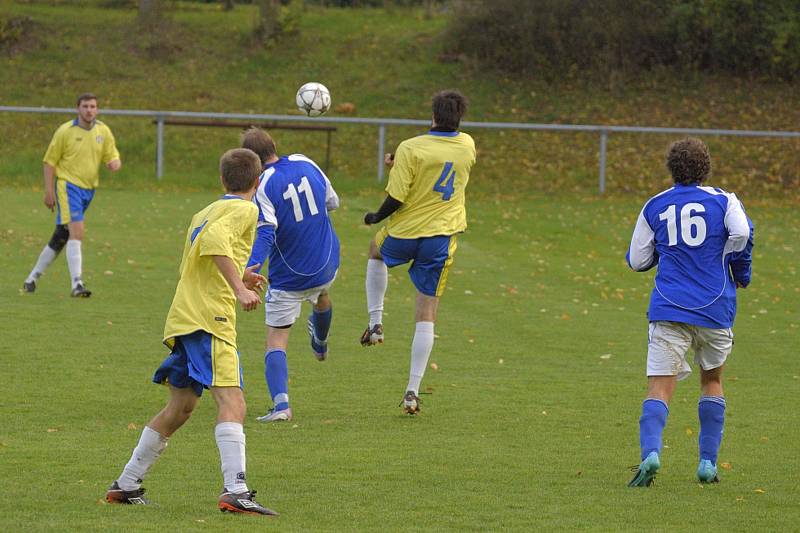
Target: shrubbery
(557, 36)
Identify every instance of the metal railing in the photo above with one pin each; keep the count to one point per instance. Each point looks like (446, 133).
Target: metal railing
(382, 123)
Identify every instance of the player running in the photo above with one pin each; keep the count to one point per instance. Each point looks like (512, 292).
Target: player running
(201, 332)
(426, 209)
(701, 240)
(295, 232)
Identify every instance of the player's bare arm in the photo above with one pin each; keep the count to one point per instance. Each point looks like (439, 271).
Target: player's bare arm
(247, 298)
(49, 186)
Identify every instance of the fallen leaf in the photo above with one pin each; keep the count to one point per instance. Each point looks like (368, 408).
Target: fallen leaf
(108, 273)
(500, 361)
(605, 356)
(726, 466)
(52, 430)
(132, 426)
(689, 431)
(434, 366)
(760, 491)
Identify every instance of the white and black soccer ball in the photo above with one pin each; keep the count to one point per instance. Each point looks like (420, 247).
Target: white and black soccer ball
(313, 99)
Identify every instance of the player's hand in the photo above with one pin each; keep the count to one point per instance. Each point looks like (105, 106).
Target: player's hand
(371, 218)
(248, 299)
(388, 159)
(50, 200)
(252, 279)
(740, 285)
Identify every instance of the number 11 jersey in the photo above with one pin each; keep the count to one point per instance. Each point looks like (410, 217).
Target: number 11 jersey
(294, 196)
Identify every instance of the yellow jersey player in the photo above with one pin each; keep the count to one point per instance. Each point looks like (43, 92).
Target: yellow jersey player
(71, 174)
(425, 207)
(201, 332)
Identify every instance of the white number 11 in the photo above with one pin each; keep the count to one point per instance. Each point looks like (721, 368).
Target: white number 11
(291, 194)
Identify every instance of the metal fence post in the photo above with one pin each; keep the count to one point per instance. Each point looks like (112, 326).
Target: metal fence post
(603, 143)
(159, 146)
(381, 142)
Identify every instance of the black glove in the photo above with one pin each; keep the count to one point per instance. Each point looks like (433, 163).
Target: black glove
(371, 218)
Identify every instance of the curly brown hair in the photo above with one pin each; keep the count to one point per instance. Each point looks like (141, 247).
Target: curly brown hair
(448, 108)
(688, 161)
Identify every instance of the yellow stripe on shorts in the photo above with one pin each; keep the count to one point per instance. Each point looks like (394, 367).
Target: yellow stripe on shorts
(451, 250)
(224, 364)
(63, 201)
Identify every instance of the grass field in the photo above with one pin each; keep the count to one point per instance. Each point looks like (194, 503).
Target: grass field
(530, 425)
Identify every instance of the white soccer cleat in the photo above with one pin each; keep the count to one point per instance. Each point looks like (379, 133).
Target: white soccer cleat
(284, 415)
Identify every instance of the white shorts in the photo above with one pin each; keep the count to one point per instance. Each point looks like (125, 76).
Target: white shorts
(282, 308)
(669, 342)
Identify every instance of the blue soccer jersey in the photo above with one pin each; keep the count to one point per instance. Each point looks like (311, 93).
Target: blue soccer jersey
(700, 239)
(294, 196)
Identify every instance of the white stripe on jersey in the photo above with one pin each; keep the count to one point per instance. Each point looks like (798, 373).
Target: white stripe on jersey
(263, 202)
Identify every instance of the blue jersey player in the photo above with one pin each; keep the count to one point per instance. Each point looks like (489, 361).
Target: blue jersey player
(701, 240)
(295, 232)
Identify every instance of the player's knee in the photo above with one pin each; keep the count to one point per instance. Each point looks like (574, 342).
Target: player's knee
(59, 238)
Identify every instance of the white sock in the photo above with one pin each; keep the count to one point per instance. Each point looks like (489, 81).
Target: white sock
(74, 261)
(230, 441)
(45, 258)
(150, 446)
(421, 348)
(377, 279)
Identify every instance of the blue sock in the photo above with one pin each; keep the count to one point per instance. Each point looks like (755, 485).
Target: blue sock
(276, 372)
(711, 411)
(322, 323)
(651, 425)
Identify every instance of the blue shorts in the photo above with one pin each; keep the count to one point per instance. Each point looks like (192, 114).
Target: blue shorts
(72, 201)
(200, 360)
(430, 258)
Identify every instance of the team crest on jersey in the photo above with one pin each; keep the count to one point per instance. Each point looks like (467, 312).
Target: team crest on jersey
(99, 139)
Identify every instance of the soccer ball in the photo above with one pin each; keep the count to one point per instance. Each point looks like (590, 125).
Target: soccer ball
(313, 99)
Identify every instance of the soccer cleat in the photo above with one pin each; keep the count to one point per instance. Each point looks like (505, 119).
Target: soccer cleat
(80, 291)
(276, 416)
(319, 347)
(29, 286)
(242, 503)
(128, 497)
(372, 335)
(707, 472)
(411, 403)
(646, 472)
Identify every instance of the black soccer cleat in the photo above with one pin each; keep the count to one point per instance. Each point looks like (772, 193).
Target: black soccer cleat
(80, 291)
(29, 286)
(372, 335)
(128, 497)
(411, 403)
(242, 503)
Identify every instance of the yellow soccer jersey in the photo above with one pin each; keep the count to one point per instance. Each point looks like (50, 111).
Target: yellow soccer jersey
(77, 153)
(429, 176)
(203, 299)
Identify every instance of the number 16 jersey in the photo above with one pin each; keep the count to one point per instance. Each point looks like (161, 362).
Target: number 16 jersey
(692, 234)
(294, 196)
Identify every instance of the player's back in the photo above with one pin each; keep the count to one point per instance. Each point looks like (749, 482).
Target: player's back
(430, 177)
(294, 195)
(691, 236)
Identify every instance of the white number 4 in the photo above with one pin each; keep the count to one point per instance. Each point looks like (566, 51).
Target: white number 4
(291, 194)
(693, 228)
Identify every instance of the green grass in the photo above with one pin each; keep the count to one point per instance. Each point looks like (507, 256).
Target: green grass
(530, 425)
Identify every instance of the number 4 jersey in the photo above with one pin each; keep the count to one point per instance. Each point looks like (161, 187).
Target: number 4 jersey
(700, 239)
(294, 196)
(429, 175)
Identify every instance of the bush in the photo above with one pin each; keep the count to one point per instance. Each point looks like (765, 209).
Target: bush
(558, 36)
(12, 31)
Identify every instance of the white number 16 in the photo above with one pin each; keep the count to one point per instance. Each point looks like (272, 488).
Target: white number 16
(689, 224)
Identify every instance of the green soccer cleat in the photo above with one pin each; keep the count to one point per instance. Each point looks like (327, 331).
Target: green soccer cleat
(707, 472)
(646, 472)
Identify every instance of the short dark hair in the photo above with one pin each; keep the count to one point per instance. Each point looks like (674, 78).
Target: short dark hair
(448, 108)
(688, 161)
(86, 96)
(239, 169)
(260, 142)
